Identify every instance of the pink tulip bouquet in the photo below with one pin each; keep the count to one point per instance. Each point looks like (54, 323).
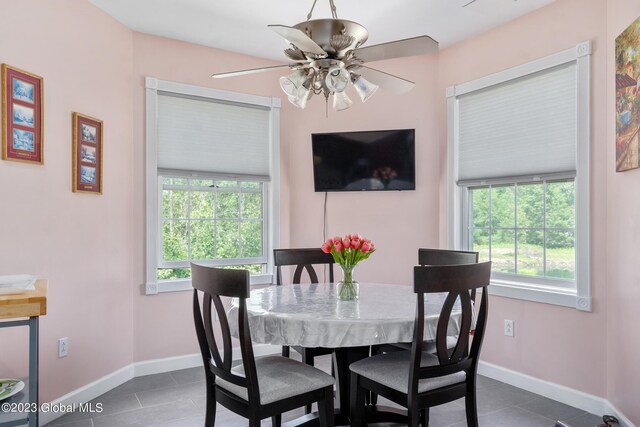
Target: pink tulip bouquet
(347, 252)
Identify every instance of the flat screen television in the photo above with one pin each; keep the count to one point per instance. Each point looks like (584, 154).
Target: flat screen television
(382, 160)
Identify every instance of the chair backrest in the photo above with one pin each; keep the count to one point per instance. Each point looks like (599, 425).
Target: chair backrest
(303, 259)
(445, 257)
(215, 283)
(457, 281)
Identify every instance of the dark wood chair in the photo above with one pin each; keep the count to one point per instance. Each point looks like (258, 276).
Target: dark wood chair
(303, 259)
(416, 379)
(256, 388)
(434, 257)
(446, 257)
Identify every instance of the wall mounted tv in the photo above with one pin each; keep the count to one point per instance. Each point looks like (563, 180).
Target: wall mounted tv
(382, 160)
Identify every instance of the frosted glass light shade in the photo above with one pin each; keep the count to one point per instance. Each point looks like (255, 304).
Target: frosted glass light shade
(341, 101)
(337, 78)
(364, 88)
(291, 83)
(301, 96)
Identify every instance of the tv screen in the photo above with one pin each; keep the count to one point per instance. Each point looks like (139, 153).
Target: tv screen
(381, 160)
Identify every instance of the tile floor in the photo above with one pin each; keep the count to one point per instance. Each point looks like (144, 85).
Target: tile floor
(177, 399)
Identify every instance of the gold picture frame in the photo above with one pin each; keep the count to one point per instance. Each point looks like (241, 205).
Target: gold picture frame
(22, 116)
(88, 138)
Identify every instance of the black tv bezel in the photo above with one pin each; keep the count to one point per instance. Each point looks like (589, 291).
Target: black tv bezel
(343, 190)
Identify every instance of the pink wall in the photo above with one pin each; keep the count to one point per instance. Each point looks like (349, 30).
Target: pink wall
(398, 222)
(163, 323)
(623, 244)
(552, 343)
(82, 243)
(93, 65)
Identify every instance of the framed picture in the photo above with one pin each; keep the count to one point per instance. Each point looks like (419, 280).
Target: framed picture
(628, 98)
(22, 136)
(87, 154)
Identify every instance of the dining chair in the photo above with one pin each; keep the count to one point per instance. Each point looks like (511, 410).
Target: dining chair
(257, 388)
(303, 259)
(417, 379)
(427, 256)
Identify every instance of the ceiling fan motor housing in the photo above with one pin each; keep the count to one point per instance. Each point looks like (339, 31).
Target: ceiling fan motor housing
(335, 36)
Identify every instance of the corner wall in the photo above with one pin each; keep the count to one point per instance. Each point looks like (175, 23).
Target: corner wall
(163, 323)
(623, 244)
(82, 243)
(553, 343)
(397, 221)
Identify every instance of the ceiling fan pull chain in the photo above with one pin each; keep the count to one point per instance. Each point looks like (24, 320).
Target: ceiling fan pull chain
(311, 11)
(334, 12)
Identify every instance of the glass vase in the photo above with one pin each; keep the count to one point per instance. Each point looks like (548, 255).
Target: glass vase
(348, 289)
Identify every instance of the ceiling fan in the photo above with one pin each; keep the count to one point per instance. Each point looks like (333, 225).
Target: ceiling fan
(327, 55)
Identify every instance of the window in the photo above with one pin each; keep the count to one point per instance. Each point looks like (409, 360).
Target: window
(519, 177)
(217, 222)
(212, 182)
(526, 229)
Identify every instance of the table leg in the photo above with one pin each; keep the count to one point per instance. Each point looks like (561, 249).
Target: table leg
(342, 358)
(33, 370)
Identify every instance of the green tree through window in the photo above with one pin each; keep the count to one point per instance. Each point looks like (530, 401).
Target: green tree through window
(525, 228)
(219, 222)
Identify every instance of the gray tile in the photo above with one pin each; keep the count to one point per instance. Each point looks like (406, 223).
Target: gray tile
(496, 397)
(147, 382)
(146, 417)
(196, 421)
(191, 375)
(552, 409)
(78, 423)
(584, 420)
(111, 403)
(116, 403)
(200, 401)
(171, 394)
(447, 414)
(510, 417)
(483, 382)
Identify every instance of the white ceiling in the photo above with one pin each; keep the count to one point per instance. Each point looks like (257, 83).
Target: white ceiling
(241, 25)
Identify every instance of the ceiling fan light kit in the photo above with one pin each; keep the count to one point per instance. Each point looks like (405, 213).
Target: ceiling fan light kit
(327, 56)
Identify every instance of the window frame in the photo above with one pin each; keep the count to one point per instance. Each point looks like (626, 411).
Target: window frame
(271, 187)
(458, 192)
(263, 259)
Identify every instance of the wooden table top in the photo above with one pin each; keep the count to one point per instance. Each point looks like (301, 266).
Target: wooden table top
(26, 304)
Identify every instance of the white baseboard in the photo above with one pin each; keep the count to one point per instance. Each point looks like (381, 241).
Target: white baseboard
(568, 396)
(88, 392)
(102, 385)
(624, 421)
(586, 402)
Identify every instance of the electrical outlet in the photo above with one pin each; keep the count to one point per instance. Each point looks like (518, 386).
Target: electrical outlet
(63, 347)
(508, 328)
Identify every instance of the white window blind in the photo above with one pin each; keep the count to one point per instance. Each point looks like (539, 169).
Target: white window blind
(203, 135)
(525, 126)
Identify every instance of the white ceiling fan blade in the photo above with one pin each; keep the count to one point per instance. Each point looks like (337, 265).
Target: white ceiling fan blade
(386, 81)
(299, 39)
(422, 45)
(251, 71)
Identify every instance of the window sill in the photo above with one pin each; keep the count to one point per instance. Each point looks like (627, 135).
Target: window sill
(542, 294)
(164, 286)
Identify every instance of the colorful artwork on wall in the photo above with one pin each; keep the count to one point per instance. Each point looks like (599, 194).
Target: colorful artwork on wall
(628, 98)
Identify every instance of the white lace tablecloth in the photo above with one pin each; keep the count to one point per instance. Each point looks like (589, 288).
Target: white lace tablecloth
(310, 315)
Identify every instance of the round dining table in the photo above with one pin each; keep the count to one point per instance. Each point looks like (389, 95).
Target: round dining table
(311, 315)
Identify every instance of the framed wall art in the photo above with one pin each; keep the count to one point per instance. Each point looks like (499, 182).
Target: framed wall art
(87, 154)
(22, 116)
(628, 98)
